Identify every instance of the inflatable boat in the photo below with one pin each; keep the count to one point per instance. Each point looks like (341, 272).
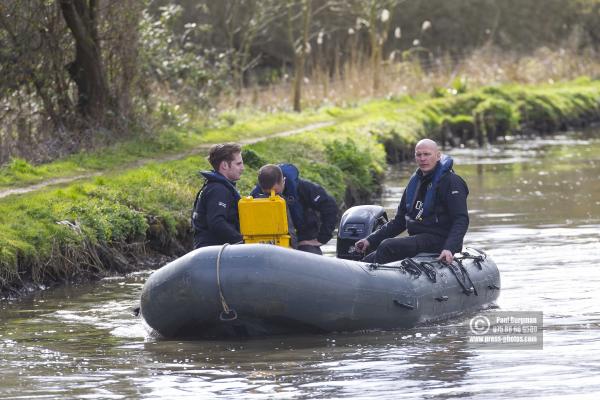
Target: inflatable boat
(259, 289)
(256, 289)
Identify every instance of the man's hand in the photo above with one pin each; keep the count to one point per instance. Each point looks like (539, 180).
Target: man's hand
(446, 256)
(312, 242)
(362, 245)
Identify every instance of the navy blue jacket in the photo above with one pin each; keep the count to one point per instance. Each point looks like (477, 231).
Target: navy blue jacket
(319, 210)
(215, 218)
(449, 217)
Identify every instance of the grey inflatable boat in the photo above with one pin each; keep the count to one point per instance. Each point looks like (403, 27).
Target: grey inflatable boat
(256, 289)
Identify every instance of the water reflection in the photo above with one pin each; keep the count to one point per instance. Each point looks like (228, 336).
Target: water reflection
(343, 365)
(535, 208)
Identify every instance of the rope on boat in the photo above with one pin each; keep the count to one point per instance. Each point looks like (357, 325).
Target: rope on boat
(476, 259)
(458, 270)
(412, 267)
(228, 314)
(429, 270)
(462, 276)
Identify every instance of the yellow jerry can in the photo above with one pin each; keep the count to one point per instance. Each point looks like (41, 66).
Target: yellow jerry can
(264, 220)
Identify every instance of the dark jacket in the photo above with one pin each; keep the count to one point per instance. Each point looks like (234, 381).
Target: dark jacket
(215, 218)
(318, 215)
(448, 216)
(320, 212)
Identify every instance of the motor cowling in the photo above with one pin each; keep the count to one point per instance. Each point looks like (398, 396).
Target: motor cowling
(357, 223)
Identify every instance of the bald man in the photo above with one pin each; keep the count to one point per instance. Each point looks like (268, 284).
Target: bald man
(433, 210)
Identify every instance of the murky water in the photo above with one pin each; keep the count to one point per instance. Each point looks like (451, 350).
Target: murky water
(535, 207)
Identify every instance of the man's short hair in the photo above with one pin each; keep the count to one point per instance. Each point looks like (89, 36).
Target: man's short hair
(268, 176)
(222, 152)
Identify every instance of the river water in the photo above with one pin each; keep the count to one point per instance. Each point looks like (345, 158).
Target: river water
(535, 208)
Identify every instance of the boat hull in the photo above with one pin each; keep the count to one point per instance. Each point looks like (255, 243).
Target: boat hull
(273, 290)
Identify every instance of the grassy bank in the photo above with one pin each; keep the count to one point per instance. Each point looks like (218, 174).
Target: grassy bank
(111, 222)
(179, 133)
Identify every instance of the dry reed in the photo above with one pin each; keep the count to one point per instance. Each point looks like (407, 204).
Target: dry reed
(484, 67)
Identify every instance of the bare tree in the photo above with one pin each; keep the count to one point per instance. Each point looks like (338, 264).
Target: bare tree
(33, 91)
(53, 76)
(87, 70)
(375, 15)
(300, 31)
(300, 46)
(242, 22)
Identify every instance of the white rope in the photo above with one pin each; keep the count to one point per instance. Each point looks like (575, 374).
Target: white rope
(226, 308)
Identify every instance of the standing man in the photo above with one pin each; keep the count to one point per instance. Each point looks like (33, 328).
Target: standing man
(433, 210)
(312, 210)
(215, 219)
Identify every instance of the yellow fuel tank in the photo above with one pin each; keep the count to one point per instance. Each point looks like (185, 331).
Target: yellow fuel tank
(264, 220)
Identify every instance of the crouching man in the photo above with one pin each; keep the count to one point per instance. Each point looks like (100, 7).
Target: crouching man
(313, 211)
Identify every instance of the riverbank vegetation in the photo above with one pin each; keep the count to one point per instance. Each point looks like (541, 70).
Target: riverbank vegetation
(126, 97)
(182, 136)
(81, 75)
(115, 221)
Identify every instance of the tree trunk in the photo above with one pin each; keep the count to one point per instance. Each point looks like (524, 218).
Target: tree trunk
(298, 78)
(300, 57)
(376, 65)
(375, 49)
(86, 70)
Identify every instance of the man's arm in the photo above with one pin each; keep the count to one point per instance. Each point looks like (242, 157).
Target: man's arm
(321, 201)
(219, 202)
(392, 228)
(459, 214)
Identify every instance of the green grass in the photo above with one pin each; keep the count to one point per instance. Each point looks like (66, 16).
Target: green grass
(482, 115)
(171, 140)
(87, 226)
(54, 233)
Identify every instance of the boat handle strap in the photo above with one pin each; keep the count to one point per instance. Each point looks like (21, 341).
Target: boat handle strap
(228, 314)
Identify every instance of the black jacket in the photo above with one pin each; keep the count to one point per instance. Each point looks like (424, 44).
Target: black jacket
(319, 209)
(451, 218)
(215, 219)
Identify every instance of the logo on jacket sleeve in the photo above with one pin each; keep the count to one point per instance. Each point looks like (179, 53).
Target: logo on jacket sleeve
(317, 198)
(222, 204)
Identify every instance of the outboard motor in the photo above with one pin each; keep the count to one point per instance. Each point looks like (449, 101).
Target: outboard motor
(357, 223)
